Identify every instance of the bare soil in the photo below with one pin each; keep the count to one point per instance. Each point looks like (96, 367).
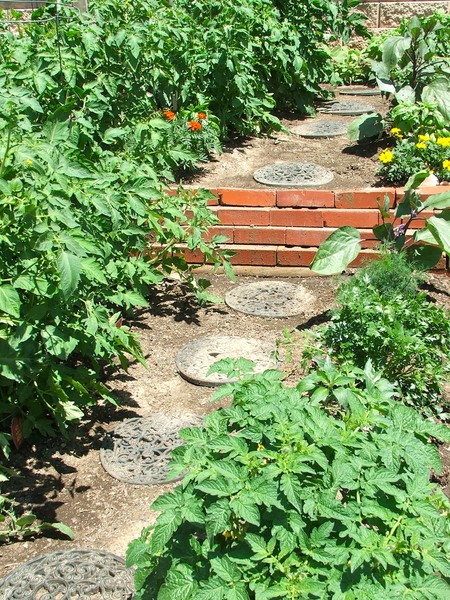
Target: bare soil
(63, 480)
(353, 164)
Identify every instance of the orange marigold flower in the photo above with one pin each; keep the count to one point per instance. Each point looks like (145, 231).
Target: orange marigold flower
(201, 115)
(193, 125)
(169, 114)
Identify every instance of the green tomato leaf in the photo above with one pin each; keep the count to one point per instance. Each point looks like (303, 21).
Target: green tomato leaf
(337, 251)
(9, 300)
(65, 529)
(69, 268)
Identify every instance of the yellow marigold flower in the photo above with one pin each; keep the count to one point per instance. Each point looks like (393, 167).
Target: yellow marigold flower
(446, 164)
(421, 145)
(424, 138)
(386, 156)
(395, 130)
(443, 141)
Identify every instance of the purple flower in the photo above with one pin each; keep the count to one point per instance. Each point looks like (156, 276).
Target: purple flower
(399, 230)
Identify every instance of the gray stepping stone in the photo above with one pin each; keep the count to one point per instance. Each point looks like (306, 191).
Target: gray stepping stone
(138, 450)
(270, 299)
(320, 129)
(195, 358)
(359, 91)
(293, 174)
(70, 574)
(346, 108)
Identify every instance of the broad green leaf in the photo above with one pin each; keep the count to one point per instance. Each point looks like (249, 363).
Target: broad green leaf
(438, 92)
(9, 300)
(441, 232)
(424, 256)
(69, 268)
(225, 569)
(26, 520)
(112, 134)
(365, 126)
(65, 529)
(166, 524)
(93, 270)
(337, 251)
(405, 94)
(246, 510)
(437, 201)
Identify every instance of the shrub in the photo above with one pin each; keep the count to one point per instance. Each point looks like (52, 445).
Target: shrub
(287, 499)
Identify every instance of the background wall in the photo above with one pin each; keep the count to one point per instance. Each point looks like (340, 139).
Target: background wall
(385, 13)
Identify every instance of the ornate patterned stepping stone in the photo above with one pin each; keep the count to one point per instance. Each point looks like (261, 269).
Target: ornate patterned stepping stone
(195, 358)
(138, 450)
(320, 129)
(269, 299)
(358, 90)
(70, 575)
(293, 174)
(346, 108)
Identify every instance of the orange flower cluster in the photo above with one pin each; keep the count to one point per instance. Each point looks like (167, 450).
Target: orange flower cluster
(194, 125)
(201, 115)
(169, 114)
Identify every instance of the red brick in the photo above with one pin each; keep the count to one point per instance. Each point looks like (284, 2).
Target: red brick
(314, 236)
(234, 197)
(307, 236)
(260, 235)
(355, 218)
(295, 257)
(424, 192)
(219, 230)
(212, 202)
(367, 198)
(296, 217)
(244, 216)
(257, 255)
(305, 198)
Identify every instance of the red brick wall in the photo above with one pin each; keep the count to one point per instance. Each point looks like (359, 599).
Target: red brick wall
(285, 227)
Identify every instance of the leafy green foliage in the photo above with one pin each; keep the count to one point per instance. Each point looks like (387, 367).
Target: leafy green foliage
(75, 257)
(349, 66)
(404, 335)
(424, 248)
(285, 498)
(25, 526)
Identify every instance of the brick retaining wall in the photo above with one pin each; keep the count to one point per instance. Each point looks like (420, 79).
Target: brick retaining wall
(285, 227)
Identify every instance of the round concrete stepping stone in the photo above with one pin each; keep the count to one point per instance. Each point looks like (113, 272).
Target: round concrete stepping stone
(138, 450)
(195, 358)
(69, 575)
(346, 108)
(358, 90)
(320, 129)
(293, 174)
(269, 299)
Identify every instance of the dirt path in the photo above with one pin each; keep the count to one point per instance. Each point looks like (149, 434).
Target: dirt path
(63, 480)
(354, 165)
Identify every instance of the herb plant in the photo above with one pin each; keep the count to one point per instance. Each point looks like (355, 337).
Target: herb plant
(319, 491)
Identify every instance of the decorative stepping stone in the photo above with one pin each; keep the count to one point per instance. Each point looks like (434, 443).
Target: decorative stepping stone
(195, 358)
(320, 129)
(69, 575)
(359, 91)
(293, 174)
(269, 299)
(346, 108)
(138, 450)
